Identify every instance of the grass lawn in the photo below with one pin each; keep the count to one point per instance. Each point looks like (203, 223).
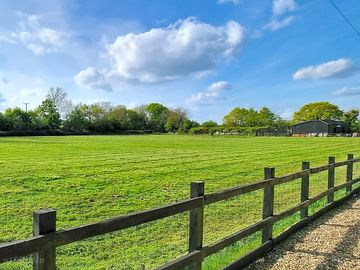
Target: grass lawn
(89, 178)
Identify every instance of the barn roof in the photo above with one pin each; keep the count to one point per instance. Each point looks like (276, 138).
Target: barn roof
(327, 122)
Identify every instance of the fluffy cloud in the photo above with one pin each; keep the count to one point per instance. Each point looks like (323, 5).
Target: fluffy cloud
(348, 91)
(188, 47)
(235, 2)
(91, 78)
(210, 95)
(276, 24)
(282, 6)
(34, 36)
(333, 69)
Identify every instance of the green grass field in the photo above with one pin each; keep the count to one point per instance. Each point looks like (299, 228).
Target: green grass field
(90, 178)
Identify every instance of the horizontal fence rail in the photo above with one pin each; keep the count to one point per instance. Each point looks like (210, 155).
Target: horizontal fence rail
(46, 238)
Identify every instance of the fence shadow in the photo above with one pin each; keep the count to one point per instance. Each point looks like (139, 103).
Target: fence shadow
(329, 256)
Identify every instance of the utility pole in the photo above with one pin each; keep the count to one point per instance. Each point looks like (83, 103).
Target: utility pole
(26, 106)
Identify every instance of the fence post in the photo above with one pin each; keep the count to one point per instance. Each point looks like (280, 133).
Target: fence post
(305, 189)
(331, 179)
(268, 204)
(196, 223)
(349, 172)
(44, 222)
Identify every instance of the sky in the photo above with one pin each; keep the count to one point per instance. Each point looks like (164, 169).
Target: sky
(207, 56)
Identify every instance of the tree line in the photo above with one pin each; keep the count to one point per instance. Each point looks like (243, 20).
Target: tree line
(57, 113)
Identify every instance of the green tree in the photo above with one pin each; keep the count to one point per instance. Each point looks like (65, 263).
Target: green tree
(20, 119)
(187, 124)
(5, 123)
(318, 111)
(118, 116)
(266, 117)
(236, 118)
(157, 114)
(76, 120)
(174, 120)
(209, 123)
(352, 118)
(49, 114)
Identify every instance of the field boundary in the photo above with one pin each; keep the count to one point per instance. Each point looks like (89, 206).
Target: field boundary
(42, 246)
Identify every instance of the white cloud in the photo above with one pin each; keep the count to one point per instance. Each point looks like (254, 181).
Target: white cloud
(34, 36)
(185, 48)
(91, 78)
(287, 115)
(282, 6)
(278, 19)
(348, 91)
(235, 2)
(276, 24)
(33, 96)
(337, 68)
(210, 95)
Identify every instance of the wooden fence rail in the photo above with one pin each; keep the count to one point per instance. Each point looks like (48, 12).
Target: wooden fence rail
(46, 238)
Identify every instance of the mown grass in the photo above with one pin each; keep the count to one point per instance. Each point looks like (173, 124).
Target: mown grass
(90, 178)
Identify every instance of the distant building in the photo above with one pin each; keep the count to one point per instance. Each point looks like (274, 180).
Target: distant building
(320, 128)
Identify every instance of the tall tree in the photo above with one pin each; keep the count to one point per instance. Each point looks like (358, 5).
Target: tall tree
(318, 111)
(60, 98)
(157, 114)
(49, 114)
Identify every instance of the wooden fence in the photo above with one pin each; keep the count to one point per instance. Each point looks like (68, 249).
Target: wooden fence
(46, 238)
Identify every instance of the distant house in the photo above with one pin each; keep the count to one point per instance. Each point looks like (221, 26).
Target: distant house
(320, 128)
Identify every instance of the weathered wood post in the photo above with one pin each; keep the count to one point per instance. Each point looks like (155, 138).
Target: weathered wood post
(268, 203)
(305, 188)
(349, 172)
(196, 223)
(331, 179)
(44, 222)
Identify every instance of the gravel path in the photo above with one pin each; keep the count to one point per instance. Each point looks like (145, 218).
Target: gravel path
(331, 242)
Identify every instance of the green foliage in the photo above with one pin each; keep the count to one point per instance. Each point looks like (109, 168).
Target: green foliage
(48, 114)
(242, 117)
(76, 120)
(157, 115)
(352, 118)
(318, 111)
(209, 123)
(20, 119)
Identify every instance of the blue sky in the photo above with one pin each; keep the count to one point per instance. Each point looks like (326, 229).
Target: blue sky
(207, 56)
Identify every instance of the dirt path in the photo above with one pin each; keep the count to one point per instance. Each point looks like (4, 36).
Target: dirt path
(331, 242)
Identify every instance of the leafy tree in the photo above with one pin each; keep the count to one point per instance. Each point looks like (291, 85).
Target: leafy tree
(157, 114)
(187, 125)
(135, 120)
(174, 120)
(76, 120)
(5, 123)
(266, 117)
(352, 118)
(119, 117)
(209, 123)
(20, 119)
(49, 114)
(236, 118)
(318, 111)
